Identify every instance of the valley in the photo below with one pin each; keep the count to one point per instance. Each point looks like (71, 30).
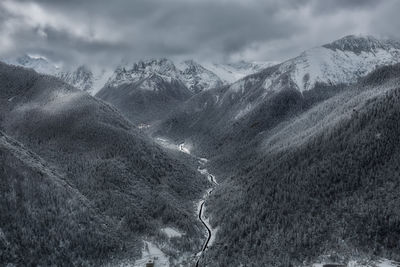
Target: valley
(200, 209)
(120, 167)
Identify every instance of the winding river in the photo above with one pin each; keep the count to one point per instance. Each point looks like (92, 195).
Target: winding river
(201, 208)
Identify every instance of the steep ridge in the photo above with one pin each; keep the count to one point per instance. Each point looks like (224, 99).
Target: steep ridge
(124, 175)
(196, 77)
(84, 78)
(146, 91)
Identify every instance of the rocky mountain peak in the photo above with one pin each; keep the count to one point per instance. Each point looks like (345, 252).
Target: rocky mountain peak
(360, 43)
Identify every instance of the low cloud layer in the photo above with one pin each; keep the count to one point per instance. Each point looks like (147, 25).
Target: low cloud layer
(105, 32)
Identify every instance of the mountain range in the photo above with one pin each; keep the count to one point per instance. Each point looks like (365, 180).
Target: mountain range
(103, 168)
(243, 109)
(196, 77)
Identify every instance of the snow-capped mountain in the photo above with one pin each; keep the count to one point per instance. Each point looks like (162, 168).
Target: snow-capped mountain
(38, 63)
(194, 76)
(82, 77)
(342, 61)
(138, 71)
(146, 90)
(85, 79)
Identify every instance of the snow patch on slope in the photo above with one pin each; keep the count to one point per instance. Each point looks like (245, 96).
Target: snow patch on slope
(230, 73)
(171, 232)
(245, 111)
(151, 252)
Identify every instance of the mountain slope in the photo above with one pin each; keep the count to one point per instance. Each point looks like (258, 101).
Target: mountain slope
(196, 77)
(342, 61)
(232, 72)
(123, 174)
(81, 78)
(241, 111)
(146, 91)
(318, 184)
(45, 221)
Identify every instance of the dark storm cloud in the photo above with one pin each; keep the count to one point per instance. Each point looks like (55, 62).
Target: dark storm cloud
(329, 6)
(106, 31)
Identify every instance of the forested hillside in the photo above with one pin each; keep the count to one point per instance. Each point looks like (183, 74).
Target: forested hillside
(124, 176)
(44, 220)
(146, 100)
(209, 120)
(325, 182)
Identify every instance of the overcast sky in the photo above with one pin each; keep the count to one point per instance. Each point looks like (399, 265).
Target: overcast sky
(105, 31)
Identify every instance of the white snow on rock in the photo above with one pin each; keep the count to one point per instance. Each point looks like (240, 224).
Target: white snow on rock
(138, 71)
(171, 232)
(344, 61)
(196, 77)
(341, 62)
(166, 143)
(230, 73)
(184, 148)
(337, 62)
(243, 112)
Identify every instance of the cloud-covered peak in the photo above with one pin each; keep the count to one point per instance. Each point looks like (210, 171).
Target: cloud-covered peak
(104, 32)
(362, 43)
